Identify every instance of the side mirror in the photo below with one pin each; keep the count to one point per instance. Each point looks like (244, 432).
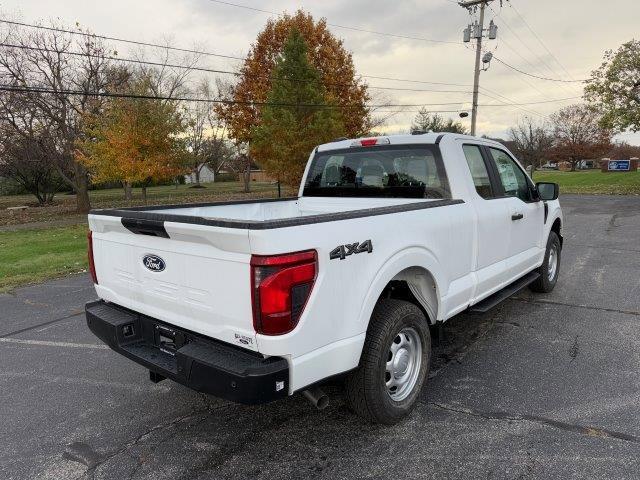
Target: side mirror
(548, 191)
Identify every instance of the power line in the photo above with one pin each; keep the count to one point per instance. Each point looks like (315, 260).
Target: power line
(344, 27)
(425, 82)
(27, 89)
(555, 100)
(501, 98)
(506, 99)
(535, 55)
(515, 51)
(21, 89)
(202, 52)
(203, 69)
(539, 39)
(519, 38)
(536, 76)
(135, 42)
(116, 39)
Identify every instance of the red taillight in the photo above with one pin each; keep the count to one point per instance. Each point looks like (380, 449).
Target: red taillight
(368, 142)
(281, 285)
(371, 142)
(92, 265)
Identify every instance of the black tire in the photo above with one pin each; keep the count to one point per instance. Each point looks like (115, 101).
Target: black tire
(545, 284)
(365, 388)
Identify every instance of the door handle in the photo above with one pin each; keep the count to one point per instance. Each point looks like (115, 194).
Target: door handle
(517, 216)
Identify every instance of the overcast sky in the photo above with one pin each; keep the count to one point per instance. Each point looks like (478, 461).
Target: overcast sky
(576, 32)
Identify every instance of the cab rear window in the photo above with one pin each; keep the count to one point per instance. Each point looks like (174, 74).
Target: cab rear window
(379, 171)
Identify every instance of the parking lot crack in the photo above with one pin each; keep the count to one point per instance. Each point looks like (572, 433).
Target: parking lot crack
(541, 301)
(589, 431)
(43, 324)
(101, 460)
(574, 350)
(605, 247)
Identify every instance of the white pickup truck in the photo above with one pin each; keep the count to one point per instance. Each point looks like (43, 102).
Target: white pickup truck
(257, 300)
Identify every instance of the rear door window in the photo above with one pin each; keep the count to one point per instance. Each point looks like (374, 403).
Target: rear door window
(478, 169)
(380, 171)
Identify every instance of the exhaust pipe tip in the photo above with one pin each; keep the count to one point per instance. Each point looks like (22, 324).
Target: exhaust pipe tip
(317, 397)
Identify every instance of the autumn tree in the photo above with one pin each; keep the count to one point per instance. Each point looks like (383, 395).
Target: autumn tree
(325, 53)
(614, 88)
(134, 141)
(623, 150)
(531, 142)
(432, 122)
(578, 135)
(296, 117)
(56, 74)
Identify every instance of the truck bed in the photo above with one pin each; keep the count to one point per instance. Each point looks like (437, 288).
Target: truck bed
(273, 213)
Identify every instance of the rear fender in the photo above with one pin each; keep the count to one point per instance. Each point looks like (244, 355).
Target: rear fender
(419, 267)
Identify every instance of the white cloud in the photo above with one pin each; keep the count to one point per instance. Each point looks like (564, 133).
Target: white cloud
(576, 31)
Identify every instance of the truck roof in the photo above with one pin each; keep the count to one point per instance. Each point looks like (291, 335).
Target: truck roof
(406, 139)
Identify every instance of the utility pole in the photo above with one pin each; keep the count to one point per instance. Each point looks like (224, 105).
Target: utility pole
(477, 31)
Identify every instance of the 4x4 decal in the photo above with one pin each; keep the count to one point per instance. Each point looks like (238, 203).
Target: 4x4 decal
(343, 251)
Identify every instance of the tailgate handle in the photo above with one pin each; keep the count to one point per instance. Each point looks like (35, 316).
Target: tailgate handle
(154, 228)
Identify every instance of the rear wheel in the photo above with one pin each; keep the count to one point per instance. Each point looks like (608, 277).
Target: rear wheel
(394, 363)
(550, 267)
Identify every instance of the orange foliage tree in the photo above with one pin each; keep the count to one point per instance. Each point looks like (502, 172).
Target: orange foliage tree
(326, 54)
(578, 135)
(133, 141)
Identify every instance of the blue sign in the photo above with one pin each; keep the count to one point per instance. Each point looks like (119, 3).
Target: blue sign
(619, 165)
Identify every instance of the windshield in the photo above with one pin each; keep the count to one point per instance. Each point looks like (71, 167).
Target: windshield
(380, 171)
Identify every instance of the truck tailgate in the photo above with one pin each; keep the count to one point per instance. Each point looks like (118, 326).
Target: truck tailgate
(195, 277)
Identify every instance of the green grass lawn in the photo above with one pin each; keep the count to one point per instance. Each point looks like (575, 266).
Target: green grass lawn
(592, 181)
(32, 256)
(64, 205)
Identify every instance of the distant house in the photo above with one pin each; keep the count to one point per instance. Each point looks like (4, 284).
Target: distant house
(587, 164)
(206, 176)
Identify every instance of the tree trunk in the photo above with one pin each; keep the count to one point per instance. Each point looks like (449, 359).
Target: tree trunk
(83, 203)
(246, 175)
(197, 172)
(128, 191)
(144, 193)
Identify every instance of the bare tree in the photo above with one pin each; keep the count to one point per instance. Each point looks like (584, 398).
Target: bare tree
(578, 135)
(205, 135)
(24, 160)
(165, 79)
(56, 75)
(531, 142)
(241, 163)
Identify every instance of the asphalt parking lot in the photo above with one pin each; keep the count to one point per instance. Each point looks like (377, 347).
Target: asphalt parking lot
(544, 386)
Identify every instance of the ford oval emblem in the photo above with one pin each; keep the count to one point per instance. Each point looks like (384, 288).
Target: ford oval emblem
(153, 263)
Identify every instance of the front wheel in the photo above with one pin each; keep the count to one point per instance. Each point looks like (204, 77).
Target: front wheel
(394, 364)
(550, 267)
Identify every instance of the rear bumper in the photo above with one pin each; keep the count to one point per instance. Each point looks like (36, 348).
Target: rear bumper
(197, 362)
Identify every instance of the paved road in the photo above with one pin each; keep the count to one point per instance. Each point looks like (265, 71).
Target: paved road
(545, 386)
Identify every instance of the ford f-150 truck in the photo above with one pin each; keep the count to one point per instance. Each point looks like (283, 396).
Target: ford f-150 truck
(253, 301)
